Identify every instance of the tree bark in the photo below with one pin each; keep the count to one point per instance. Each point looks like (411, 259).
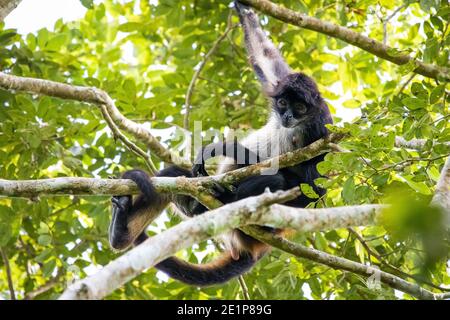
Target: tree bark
(259, 210)
(6, 6)
(351, 37)
(95, 96)
(441, 196)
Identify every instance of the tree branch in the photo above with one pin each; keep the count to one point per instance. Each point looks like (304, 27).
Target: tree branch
(130, 145)
(342, 264)
(197, 187)
(6, 6)
(244, 288)
(45, 287)
(370, 45)
(442, 194)
(373, 252)
(95, 96)
(260, 210)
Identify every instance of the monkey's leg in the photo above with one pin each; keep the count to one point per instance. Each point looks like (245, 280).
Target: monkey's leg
(265, 58)
(254, 186)
(237, 241)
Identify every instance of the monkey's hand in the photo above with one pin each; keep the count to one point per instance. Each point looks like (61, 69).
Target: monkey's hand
(207, 152)
(198, 170)
(121, 203)
(240, 7)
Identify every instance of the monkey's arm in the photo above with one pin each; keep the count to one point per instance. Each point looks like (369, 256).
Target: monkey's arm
(235, 150)
(265, 58)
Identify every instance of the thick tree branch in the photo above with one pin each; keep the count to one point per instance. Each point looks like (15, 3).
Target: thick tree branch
(197, 187)
(442, 194)
(6, 6)
(95, 96)
(259, 210)
(357, 39)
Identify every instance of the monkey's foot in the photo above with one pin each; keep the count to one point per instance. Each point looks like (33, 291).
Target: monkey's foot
(116, 201)
(241, 8)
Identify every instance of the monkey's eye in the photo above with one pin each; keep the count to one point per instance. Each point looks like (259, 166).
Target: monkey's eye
(282, 103)
(300, 108)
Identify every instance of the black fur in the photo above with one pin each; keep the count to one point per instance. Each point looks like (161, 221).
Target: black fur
(124, 208)
(201, 275)
(241, 155)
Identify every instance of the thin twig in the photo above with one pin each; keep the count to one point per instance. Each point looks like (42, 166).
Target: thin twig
(130, 145)
(342, 264)
(406, 83)
(8, 273)
(374, 253)
(45, 287)
(244, 288)
(202, 64)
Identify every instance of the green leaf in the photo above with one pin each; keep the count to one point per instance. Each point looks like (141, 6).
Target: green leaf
(437, 93)
(348, 190)
(43, 228)
(48, 267)
(359, 250)
(130, 26)
(414, 103)
(308, 191)
(7, 38)
(418, 186)
(44, 240)
(352, 104)
(55, 43)
(426, 5)
(87, 3)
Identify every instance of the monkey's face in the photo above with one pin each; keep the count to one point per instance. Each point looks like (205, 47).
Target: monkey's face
(296, 100)
(291, 111)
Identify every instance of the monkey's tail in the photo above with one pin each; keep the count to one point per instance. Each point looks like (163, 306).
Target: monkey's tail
(216, 272)
(143, 182)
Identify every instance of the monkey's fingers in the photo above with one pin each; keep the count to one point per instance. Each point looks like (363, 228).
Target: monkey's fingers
(116, 202)
(198, 170)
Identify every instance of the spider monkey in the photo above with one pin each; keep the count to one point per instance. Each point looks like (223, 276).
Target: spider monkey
(299, 115)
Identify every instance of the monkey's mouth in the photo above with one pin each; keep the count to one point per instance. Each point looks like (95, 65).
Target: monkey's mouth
(292, 123)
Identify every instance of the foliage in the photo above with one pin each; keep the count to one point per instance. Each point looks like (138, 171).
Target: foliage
(144, 56)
